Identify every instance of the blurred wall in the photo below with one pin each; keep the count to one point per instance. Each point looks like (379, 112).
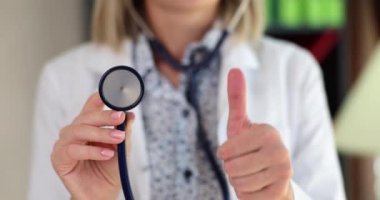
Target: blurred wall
(31, 32)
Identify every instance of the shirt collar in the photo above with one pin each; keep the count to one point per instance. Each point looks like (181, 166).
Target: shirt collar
(142, 55)
(234, 53)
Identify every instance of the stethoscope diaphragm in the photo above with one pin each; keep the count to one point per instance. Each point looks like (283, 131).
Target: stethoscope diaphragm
(121, 88)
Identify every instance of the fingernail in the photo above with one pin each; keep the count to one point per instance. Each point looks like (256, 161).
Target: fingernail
(116, 115)
(107, 153)
(118, 134)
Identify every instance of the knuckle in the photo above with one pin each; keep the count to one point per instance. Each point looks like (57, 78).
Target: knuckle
(241, 184)
(106, 116)
(285, 173)
(84, 118)
(283, 154)
(229, 167)
(70, 151)
(278, 154)
(76, 132)
(274, 154)
(240, 195)
(269, 133)
(223, 152)
(234, 183)
(63, 132)
(276, 192)
(79, 118)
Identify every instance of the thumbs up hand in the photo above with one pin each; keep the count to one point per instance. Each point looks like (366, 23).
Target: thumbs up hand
(255, 159)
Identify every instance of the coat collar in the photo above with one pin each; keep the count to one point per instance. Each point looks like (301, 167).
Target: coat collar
(238, 54)
(241, 55)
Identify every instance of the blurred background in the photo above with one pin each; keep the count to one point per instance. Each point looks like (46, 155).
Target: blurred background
(341, 34)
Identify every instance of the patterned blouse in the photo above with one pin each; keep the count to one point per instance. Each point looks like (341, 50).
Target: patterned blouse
(179, 167)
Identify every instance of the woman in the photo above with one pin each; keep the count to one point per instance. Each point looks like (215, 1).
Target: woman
(267, 120)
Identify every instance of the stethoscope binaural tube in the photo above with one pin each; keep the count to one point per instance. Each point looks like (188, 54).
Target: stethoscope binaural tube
(121, 88)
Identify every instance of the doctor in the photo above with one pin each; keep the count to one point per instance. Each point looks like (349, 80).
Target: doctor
(262, 104)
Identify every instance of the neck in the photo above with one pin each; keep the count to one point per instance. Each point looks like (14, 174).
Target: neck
(177, 28)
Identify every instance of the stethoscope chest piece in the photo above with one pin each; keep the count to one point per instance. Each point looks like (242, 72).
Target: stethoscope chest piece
(121, 88)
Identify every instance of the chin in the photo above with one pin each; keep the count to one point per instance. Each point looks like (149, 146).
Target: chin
(185, 5)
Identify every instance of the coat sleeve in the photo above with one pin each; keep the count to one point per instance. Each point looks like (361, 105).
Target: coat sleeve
(47, 121)
(317, 173)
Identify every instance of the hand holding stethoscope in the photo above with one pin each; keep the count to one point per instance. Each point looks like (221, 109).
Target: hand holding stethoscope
(84, 157)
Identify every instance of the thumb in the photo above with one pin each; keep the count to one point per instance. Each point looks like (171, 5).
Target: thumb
(237, 102)
(128, 131)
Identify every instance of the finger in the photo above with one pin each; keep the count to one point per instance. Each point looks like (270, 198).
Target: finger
(256, 181)
(101, 118)
(84, 133)
(246, 165)
(94, 102)
(86, 152)
(245, 143)
(237, 101)
(274, 191)
(252, 139)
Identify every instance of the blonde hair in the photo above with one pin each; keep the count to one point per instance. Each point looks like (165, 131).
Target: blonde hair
(112, 20)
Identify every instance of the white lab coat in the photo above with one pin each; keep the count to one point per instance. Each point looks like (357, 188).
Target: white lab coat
(285, 90)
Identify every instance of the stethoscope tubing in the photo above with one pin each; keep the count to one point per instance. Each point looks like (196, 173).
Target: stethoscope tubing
(122, 162)
(205, 144)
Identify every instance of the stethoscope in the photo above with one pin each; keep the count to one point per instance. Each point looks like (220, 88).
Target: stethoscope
(122, 88)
